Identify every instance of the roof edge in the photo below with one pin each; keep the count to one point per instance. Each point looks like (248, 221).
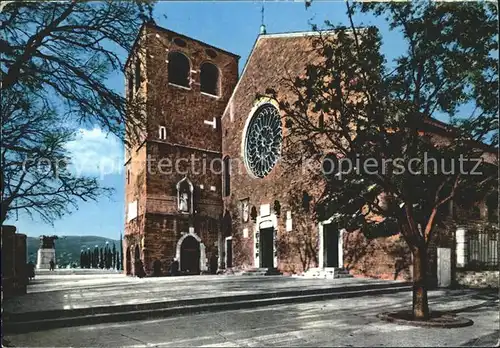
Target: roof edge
(278, 35)
(241, 76)
(132, 48)
(309, 33)
(155, 26)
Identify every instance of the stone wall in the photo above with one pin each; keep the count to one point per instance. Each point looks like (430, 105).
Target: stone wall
(164, 231)
(191, 148)
(478, 279)
(183, 110)
(274, 58)
(383, 257)
(14, 259)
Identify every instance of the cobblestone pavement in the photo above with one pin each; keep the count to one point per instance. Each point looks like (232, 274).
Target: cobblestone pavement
(62, 289)
(339, 322)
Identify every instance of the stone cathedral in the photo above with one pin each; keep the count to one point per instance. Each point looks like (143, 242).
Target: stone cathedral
(207, 185)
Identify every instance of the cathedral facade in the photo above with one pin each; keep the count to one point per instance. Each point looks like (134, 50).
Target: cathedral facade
(210, 183)
(207, 184)
(270, 200)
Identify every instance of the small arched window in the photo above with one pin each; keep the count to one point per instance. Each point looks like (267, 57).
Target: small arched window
(162, 133)
(179, 42)
(178, 69)
(137, 74)
(130, 85)
(209, 79)
(306, 201)
(227, 176)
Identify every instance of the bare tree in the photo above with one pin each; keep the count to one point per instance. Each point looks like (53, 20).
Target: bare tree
(35, 162)
(56, 58)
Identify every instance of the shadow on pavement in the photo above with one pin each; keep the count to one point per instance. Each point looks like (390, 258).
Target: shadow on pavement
(489, 340)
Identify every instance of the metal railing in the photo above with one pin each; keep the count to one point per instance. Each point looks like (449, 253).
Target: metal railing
(483, 248)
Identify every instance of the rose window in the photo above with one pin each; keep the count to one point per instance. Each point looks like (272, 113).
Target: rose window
(263, 140)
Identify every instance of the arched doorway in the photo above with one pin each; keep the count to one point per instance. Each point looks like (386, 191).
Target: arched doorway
(128, 265)
(190, 256)
(137, 256)
(137, 259)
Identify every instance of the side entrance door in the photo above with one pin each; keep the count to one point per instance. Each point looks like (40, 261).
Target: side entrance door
(331, 245)
(266, 248)
(229, 253)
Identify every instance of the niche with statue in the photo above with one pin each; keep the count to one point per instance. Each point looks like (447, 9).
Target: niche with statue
(185, 196)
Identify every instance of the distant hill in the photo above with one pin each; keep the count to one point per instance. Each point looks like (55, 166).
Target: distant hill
(68, 247)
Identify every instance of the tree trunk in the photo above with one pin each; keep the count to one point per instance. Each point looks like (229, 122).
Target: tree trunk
(420, 302)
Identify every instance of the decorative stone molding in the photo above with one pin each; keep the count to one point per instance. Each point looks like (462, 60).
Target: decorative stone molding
(262, 222)
(321, 260)
(226, 261)
(185, 196)
(461, 247)
(203, 257)
(265, 210)
(289, 226)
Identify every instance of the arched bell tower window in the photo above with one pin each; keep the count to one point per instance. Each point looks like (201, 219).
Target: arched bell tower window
(227, 175)
(209, 79)
(178, 69)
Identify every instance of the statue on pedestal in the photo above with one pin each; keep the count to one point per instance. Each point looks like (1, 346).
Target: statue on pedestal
(183, 203)
(46, 255)
(47, 242)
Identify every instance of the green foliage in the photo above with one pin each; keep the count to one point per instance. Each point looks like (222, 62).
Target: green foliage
(382, 114)
(364, 108)
(385, 228)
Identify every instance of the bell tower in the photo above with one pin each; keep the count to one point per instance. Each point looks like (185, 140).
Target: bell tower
(174, 181)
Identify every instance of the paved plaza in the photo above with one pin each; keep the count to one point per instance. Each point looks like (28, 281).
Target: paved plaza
(340, 322)
(332, 322)
(64, 289)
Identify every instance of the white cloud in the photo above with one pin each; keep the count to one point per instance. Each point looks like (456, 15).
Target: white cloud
(94, 152)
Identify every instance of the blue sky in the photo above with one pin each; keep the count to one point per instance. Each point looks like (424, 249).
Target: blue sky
(232, 26)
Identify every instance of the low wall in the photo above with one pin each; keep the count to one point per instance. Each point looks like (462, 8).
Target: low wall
(14, 276)
(478, 279)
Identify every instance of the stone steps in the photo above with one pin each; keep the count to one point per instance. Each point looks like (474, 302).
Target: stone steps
(43, 320)
(260, 272)
(327, 273)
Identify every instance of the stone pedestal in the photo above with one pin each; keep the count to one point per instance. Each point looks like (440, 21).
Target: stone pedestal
(43, 258)
(444, 267)
(461, 247)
